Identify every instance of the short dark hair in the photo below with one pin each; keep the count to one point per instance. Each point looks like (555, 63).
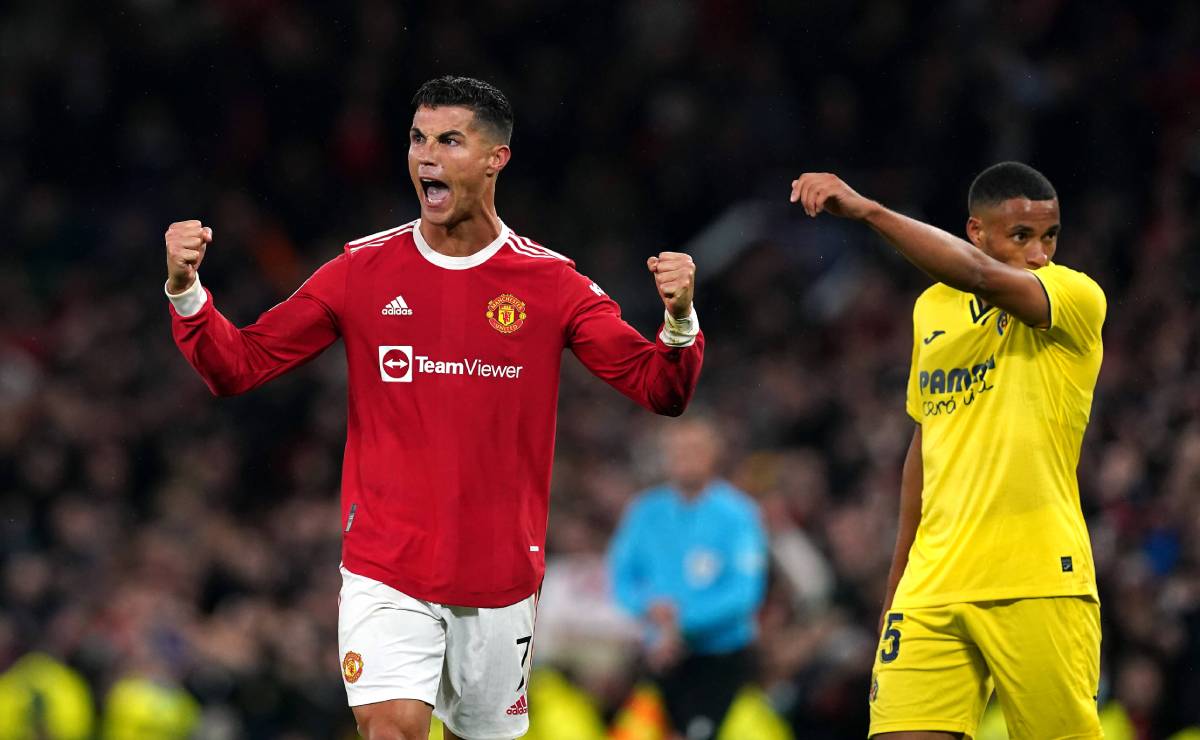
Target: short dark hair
(485, 100)
(1007, 180)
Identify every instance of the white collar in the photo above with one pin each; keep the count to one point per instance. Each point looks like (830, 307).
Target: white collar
(459, 263)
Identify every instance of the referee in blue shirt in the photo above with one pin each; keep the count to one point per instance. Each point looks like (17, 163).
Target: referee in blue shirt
(689, 559)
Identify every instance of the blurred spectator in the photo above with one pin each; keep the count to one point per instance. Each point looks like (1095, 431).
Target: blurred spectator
(137, 708)
(581, 630)
(42, 698)
(689, 560)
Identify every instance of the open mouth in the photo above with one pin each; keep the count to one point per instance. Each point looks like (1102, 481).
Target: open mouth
(437, 193)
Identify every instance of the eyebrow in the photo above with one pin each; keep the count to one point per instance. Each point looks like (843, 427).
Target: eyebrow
(1026, 227)
(444, 134)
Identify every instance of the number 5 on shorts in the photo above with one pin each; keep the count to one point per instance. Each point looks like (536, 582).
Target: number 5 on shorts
(892, 633)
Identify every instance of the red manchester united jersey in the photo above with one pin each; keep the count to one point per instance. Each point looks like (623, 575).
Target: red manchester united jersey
(453, 386)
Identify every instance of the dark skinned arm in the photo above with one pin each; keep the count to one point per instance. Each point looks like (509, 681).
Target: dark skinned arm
(911, 485)
(939, 254)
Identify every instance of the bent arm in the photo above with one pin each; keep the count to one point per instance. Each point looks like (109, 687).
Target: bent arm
(657, 375)
(957, 263)
(911, 484)
(233, 360)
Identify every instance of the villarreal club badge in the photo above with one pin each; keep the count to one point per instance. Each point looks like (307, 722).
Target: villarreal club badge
(352, 666)
(506, 313)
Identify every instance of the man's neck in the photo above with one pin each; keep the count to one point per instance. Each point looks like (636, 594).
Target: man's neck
(691, 491)
(463, 238)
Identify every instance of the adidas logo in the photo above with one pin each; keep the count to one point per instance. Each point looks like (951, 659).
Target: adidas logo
(519, 707)
(397, 307)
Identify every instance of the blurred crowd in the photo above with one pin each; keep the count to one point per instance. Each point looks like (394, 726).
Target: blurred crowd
(172, 558)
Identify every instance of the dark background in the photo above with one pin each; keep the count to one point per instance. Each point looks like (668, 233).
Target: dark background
(152, 532)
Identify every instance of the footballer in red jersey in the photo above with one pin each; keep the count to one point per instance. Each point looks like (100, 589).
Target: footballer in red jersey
(453, 327)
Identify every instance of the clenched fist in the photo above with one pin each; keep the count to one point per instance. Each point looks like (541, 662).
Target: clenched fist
(186, 242)
(675, 278)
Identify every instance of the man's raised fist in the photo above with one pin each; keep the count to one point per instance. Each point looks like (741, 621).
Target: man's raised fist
(186, 242)
(675, 278)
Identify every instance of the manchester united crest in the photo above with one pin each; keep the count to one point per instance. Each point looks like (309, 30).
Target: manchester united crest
(506, 313)
(352, 667)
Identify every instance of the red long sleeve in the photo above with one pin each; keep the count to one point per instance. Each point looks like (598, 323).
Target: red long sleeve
(233, 360)
(660, 378)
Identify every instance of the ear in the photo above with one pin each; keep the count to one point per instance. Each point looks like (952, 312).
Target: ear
(498, 159)
(975, 231)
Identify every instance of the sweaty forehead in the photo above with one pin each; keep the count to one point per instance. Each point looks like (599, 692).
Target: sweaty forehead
(434, 121)
(1024, 210)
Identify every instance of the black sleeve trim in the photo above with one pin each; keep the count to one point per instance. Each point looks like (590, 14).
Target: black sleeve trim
(1049, 303)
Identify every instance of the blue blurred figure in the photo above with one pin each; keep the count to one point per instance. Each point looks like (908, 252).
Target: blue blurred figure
(689, 559)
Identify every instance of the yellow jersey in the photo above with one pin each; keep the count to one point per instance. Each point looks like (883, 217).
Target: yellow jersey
(1002, 408)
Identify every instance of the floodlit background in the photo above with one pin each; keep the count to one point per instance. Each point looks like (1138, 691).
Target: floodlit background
(168, 561)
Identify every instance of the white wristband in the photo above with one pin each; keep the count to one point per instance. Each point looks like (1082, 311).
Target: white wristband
(679, 332)
(190, 301)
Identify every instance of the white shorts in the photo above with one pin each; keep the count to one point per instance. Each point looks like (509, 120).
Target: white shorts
(471, 664)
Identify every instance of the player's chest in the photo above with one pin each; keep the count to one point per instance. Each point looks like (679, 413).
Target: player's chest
(963, 335)
(963, 353)
(492, 311)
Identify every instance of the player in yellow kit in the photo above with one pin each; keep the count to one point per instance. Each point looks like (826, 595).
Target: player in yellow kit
(992, 583)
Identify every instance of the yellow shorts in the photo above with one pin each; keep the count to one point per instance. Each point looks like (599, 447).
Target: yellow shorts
(936, 666)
